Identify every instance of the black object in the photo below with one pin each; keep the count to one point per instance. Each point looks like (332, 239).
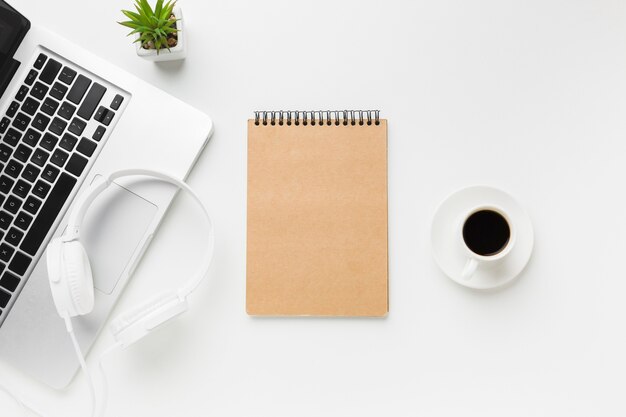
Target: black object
(39, 90)
(91, 101)
(486, 232)
(68, 142)
(86, 147)
(57, 126)
(67, 110)
(20, 263)
(77, 126)
(76, 164)
(30, 106)
(41, 189)
(49, 106)
(9, 281)
(78, 89)
(58, 91)
(97, 135)
(13, 28)
(48, 213)
(117, 101)
(67, 75)
(50, 71)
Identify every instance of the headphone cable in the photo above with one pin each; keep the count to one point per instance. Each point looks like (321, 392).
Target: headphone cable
(83, 364)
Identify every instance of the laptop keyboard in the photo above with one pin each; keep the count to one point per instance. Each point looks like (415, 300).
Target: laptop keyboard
(45, 146)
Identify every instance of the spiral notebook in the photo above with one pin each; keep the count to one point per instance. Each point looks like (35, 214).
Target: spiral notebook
(317, 214)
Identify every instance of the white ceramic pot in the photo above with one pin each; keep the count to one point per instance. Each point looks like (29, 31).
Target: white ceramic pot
(173, 54)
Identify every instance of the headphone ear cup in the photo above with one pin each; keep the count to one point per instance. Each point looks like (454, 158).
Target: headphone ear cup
(70, 277)
(77, 271)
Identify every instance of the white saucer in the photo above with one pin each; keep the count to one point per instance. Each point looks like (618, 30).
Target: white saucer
(447, 247)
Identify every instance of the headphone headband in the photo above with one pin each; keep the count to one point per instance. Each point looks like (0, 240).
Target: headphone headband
(84, 201)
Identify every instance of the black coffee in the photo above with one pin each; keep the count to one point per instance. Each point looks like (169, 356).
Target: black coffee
(486, 232)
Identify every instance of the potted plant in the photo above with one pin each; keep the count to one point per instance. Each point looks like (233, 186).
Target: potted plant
(158, 32)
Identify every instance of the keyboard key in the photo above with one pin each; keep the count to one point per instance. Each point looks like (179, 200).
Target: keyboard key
(117, 101)
(6, 184)
(5, 152)
(49, 141)
(49, 212)
(66, 110)
(5, 297)
(41, 121)
(49, 106)
(50, 71)
(23, 220)
(77, 126)
(4, 124)
(20, 263)
(76, 164)
(86, 147)
(12, 137)
(30, 173)
(79, 89)
(13, 109)
(41, 59)
(21, 93)
(12, 205)
(31, 137)
(67, 75)
(59, 157)
(5, 220)
(9, 281)
(57, 126)
(31, 77)
(39, 90)
(32, 205)
(97, 135)
(109, 115)
(30, 106)
(6, 252)
(92, 99)
(50, 173)
(68, 142)
(39, 157)
(13, 168)
(14, 236)
(100, 113)
(58, 91)
(21, 189)
(41, 189)
(21, 121)
(22, 152)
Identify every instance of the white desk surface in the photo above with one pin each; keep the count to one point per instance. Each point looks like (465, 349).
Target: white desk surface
(526, 96)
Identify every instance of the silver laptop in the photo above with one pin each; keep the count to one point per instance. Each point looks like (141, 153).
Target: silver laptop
(66, 117)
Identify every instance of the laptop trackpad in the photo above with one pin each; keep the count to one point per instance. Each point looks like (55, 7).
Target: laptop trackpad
(115, 225)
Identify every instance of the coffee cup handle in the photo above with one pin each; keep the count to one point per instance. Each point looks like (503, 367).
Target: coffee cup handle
(469, 269)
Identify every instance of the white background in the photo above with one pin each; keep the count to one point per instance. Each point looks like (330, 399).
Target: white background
(528, 96)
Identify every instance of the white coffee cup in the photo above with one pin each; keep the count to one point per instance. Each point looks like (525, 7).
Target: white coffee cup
(497, 249)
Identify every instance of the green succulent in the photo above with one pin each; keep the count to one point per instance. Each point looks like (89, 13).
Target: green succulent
(154, 27)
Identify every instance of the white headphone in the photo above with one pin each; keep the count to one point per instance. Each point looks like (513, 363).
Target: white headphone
(71, 280)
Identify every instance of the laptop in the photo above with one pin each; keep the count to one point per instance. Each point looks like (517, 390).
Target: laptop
(66, 117)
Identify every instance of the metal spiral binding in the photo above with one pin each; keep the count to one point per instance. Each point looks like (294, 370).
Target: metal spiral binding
(317, 117)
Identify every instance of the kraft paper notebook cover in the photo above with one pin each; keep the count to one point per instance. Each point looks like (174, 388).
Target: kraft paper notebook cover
(317, 214)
